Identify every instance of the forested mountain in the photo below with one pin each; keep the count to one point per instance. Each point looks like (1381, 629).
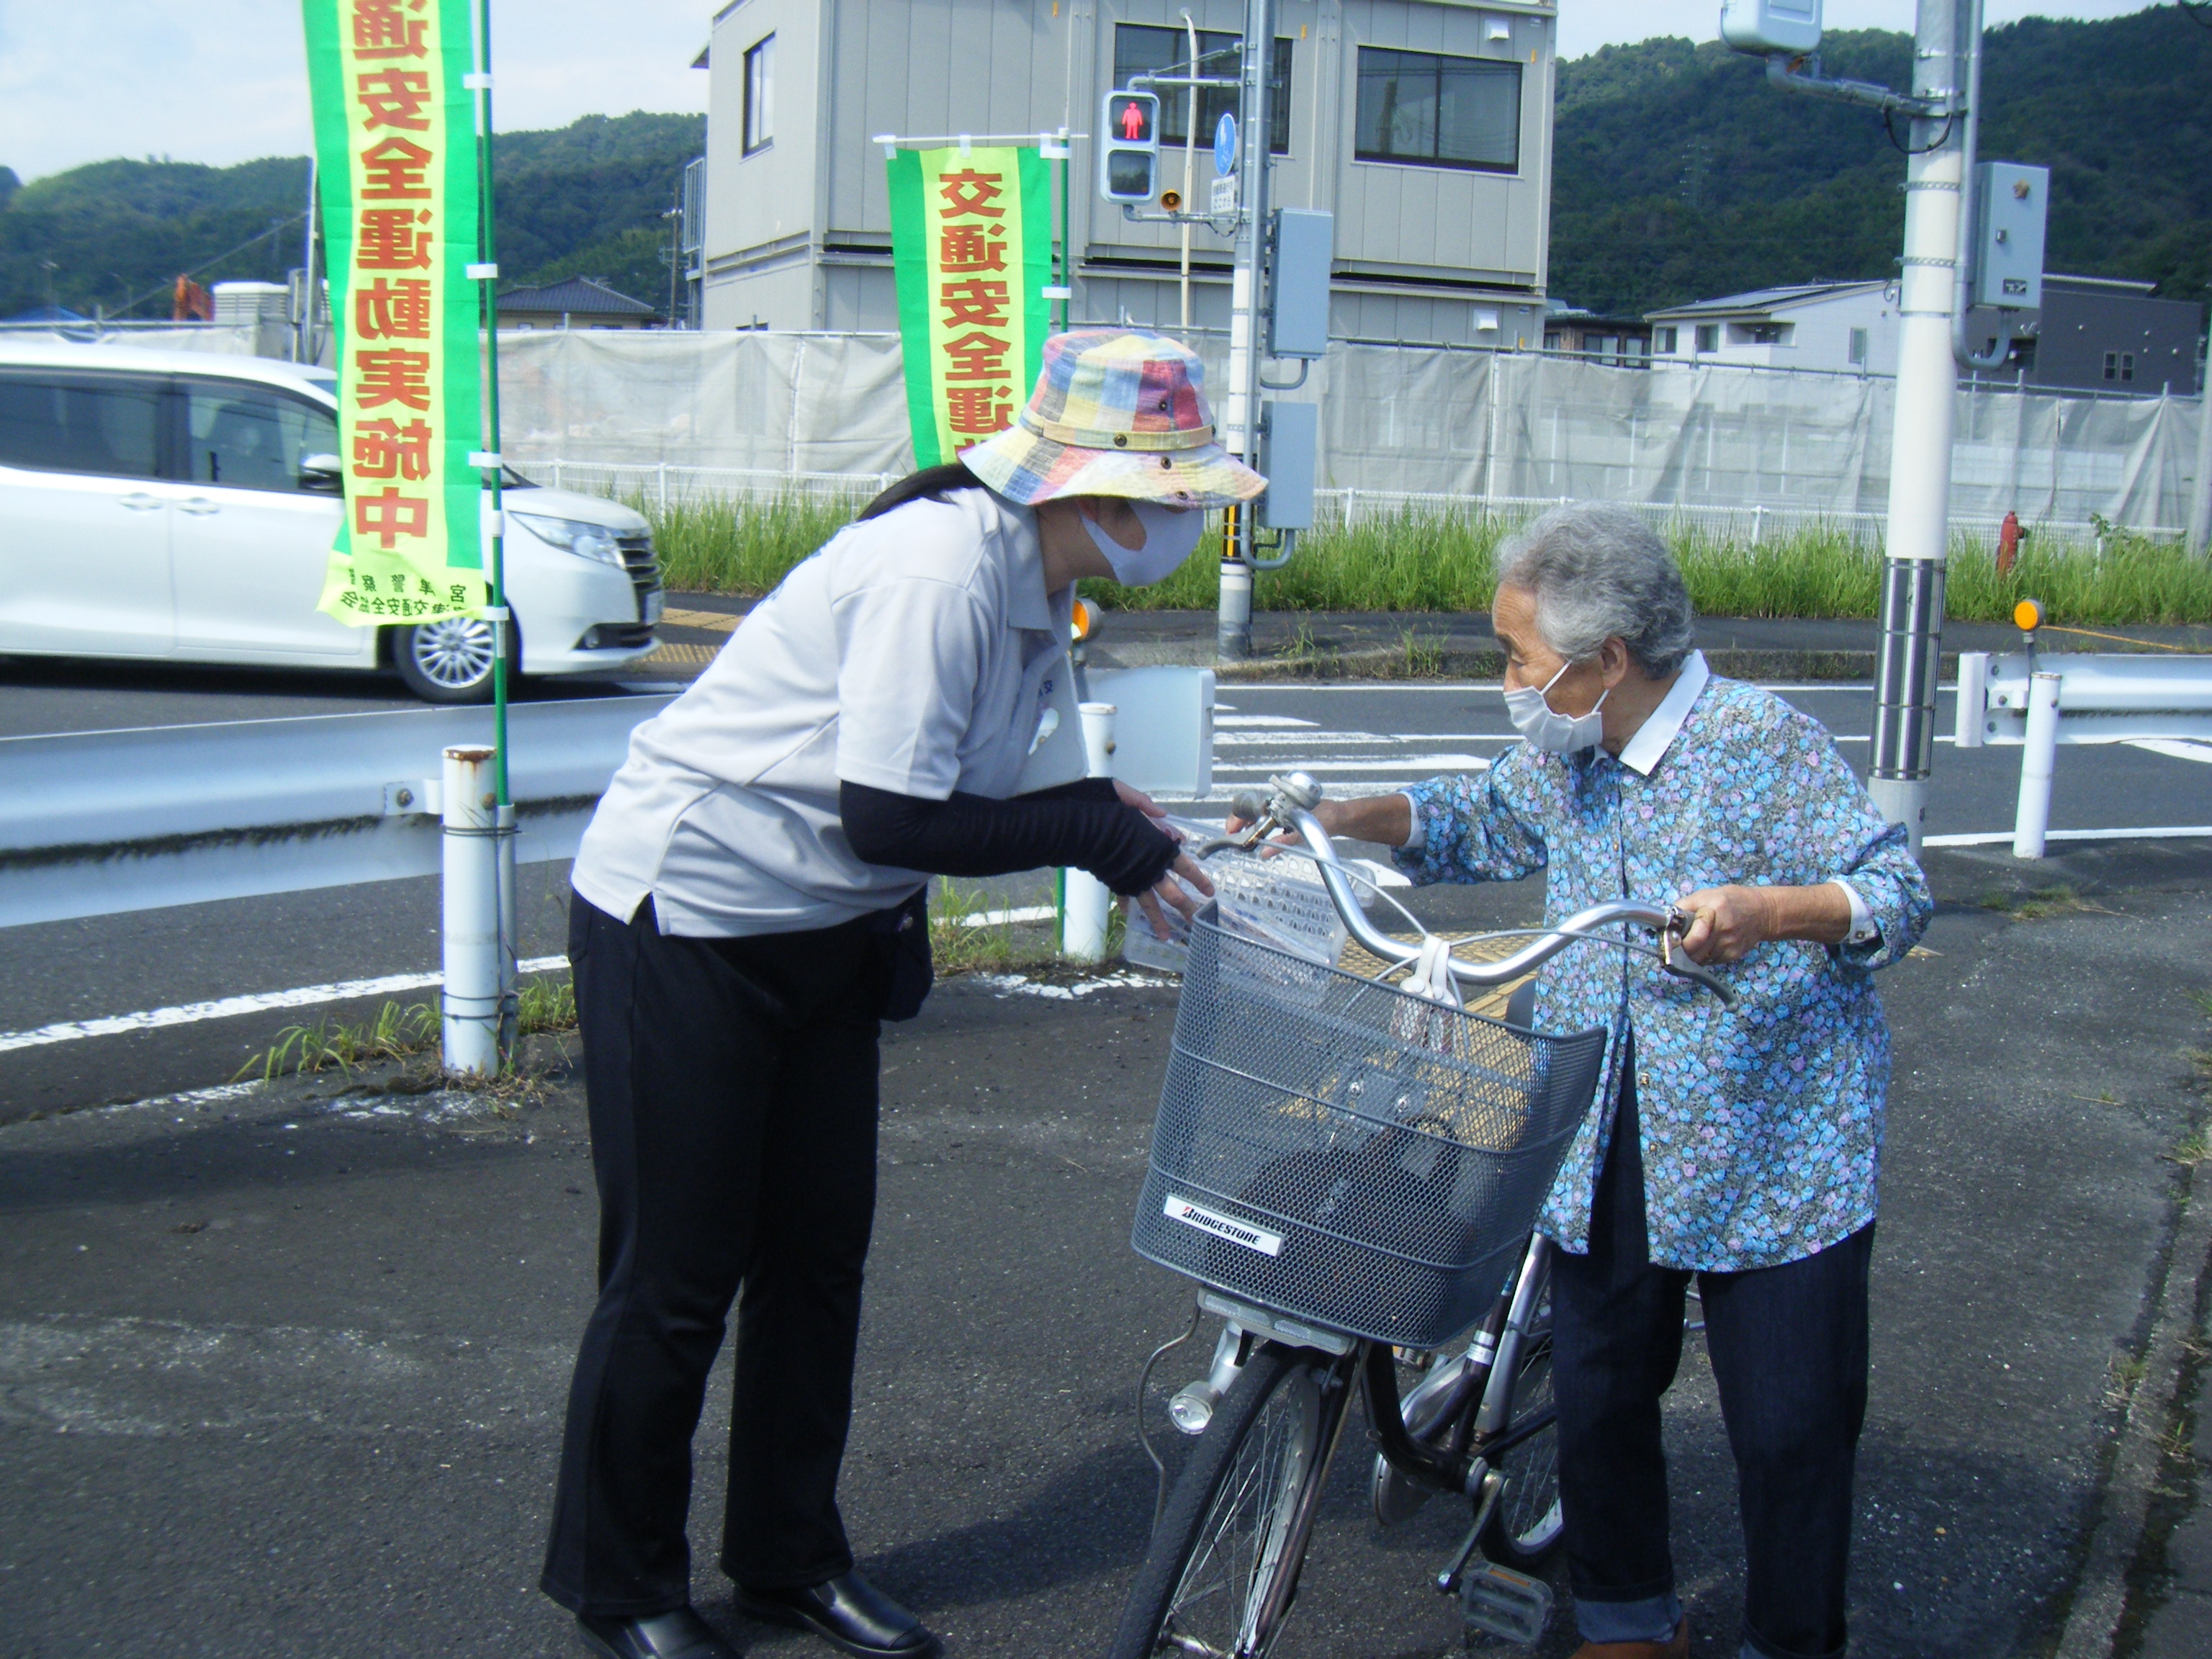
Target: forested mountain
(584, 199)
(1682, 175)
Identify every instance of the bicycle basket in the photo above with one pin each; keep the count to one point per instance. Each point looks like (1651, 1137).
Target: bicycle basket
(1282, 896)
(1334, 1149)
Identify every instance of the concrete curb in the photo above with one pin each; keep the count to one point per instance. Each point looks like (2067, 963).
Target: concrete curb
(2100, 1594)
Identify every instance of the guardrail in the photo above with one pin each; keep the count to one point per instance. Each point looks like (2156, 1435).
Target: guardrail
(96, 823)
(2040, 699)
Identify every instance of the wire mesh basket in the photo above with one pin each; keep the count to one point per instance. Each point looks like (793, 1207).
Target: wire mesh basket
(1332, 1148)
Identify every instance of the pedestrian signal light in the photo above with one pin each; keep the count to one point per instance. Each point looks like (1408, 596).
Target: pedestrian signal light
(1129, 147)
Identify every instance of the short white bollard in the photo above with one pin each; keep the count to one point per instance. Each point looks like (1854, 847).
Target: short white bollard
(476, 978)
(2038, 758)
(510, 994)
(1088, 903)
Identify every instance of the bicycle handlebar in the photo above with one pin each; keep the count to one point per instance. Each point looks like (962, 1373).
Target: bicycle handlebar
(1291, 799)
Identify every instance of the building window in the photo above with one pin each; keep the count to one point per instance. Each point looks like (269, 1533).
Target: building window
(760, 95)
(1663, 340)
(1758, 333)
(1437, 112)
(1551, 343)
(1142, 49)
(1708, 337)
(2127, 365)
(1858, 346)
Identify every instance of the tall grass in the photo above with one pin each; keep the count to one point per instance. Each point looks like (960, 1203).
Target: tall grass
(1430, 559)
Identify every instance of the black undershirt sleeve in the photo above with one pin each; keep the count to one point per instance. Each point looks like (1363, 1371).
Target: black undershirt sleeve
(1083, 825)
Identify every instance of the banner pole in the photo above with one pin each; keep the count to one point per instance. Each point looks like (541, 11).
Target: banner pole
(488, 254)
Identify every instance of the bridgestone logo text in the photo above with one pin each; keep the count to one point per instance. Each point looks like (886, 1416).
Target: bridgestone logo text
(1223, 1226)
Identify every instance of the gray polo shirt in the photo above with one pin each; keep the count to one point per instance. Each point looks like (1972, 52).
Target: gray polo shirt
(917, 653)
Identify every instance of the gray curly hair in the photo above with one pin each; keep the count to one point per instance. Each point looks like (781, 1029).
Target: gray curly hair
(1599, 572)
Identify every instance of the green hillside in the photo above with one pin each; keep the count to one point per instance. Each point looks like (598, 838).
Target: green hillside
(1681, 174)
(586, 198)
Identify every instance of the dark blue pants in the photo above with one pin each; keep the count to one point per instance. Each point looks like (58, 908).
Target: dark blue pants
(1789, 1352)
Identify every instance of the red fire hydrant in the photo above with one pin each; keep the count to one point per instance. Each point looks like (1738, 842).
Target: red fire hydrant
(2008, 542)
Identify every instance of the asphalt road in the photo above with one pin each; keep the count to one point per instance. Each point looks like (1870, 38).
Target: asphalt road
(281, 1376)
(1355, 738)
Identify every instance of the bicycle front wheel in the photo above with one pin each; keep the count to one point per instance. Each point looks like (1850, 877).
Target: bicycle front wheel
(1224, 1559)
(1526, 1525)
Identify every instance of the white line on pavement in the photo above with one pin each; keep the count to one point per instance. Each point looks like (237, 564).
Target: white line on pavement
(1997, 837)
(1378, 763)
(2175, 748)
(1000, 918)
(192, 1013)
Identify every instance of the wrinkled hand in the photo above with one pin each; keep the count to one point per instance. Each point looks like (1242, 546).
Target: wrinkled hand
(1169, 892)
(1725, 923)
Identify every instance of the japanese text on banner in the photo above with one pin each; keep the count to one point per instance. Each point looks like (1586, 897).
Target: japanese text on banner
(971, 248)
(395, 147)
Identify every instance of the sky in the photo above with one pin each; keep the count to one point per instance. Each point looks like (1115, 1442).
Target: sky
(224, 81)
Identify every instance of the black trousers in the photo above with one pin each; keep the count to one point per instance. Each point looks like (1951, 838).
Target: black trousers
(732, 1095)
(1789, 1352)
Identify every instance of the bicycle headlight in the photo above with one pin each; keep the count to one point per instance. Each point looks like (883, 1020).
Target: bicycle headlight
(586, 541)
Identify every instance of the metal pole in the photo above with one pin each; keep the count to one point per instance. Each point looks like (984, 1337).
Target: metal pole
(1189, 161)
(2200, 490)
(1086, 903)
(475, 999)
(495, 524)
(1920, 443)
(2038, 758)
(304, 340)
(1247, 305)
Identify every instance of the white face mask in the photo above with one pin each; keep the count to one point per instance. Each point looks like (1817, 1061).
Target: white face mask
(1170, 536)
(1555, 734)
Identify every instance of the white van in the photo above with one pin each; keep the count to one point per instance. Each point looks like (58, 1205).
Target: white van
(180, 507)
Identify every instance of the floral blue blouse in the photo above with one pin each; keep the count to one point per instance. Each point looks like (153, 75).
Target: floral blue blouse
(1761, 1123)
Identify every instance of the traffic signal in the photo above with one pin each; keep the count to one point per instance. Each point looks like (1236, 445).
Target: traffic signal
(1129, 147)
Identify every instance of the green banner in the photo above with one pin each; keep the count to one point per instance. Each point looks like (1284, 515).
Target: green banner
(971, 248)
(396, 155)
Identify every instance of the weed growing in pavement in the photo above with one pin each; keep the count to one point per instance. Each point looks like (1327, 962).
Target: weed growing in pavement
(1424, 657)
(544, 1004)
(2042, 903)
(960, 945)
(1430, 558)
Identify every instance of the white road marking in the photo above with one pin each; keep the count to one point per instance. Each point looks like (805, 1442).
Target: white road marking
(2004, 837)
(192, 1013)
(1382, 763)
(2175, 749)
(1221, 720)
(1000, 918)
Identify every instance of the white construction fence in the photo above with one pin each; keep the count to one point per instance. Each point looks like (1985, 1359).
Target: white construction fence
(671, 416)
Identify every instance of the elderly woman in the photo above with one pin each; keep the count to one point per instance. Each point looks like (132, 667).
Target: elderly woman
(1740, 1143)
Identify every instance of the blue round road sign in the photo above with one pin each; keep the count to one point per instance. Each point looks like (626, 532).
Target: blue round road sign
(1225, 145)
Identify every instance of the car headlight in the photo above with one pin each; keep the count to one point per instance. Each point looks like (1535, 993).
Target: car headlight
(586, 541)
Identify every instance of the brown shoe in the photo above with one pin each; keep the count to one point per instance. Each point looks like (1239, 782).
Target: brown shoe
(1677, 1647)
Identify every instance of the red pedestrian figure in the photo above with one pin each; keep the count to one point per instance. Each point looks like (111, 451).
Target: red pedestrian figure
(1132, 121)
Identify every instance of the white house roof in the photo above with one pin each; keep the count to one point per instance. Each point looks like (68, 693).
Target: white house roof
(1761, 301)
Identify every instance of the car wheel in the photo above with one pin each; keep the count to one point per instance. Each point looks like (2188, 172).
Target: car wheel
(449, 660)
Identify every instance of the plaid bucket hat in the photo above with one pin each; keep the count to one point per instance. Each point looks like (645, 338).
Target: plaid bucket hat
(1115, 412)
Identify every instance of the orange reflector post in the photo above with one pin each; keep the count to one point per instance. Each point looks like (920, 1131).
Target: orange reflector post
(1083, 620)
(2028, 615)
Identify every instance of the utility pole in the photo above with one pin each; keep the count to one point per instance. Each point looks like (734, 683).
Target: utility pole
(2200, 490)
(1240, 422)
(1918, 538)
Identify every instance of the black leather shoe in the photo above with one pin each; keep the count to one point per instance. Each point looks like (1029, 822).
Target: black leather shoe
(682, 1634)
(848, 1612)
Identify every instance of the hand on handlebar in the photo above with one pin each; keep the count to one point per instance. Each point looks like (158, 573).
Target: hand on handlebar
(1726, 923)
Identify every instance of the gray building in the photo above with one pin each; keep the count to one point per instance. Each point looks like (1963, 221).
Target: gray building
(1425, 127)
(2099, 334)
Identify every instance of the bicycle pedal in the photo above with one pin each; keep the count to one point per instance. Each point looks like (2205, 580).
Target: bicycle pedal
(1505, 1603)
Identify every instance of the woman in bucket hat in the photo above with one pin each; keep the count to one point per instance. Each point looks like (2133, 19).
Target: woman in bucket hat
(750, 903)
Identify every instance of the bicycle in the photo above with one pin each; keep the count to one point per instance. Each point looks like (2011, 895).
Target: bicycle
(1351, 1170)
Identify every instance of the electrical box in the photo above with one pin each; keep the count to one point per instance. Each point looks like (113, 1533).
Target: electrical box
(1129, 147)
(1297, 293)
(2010, 204)
(1789, 26)
(1290, 434)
